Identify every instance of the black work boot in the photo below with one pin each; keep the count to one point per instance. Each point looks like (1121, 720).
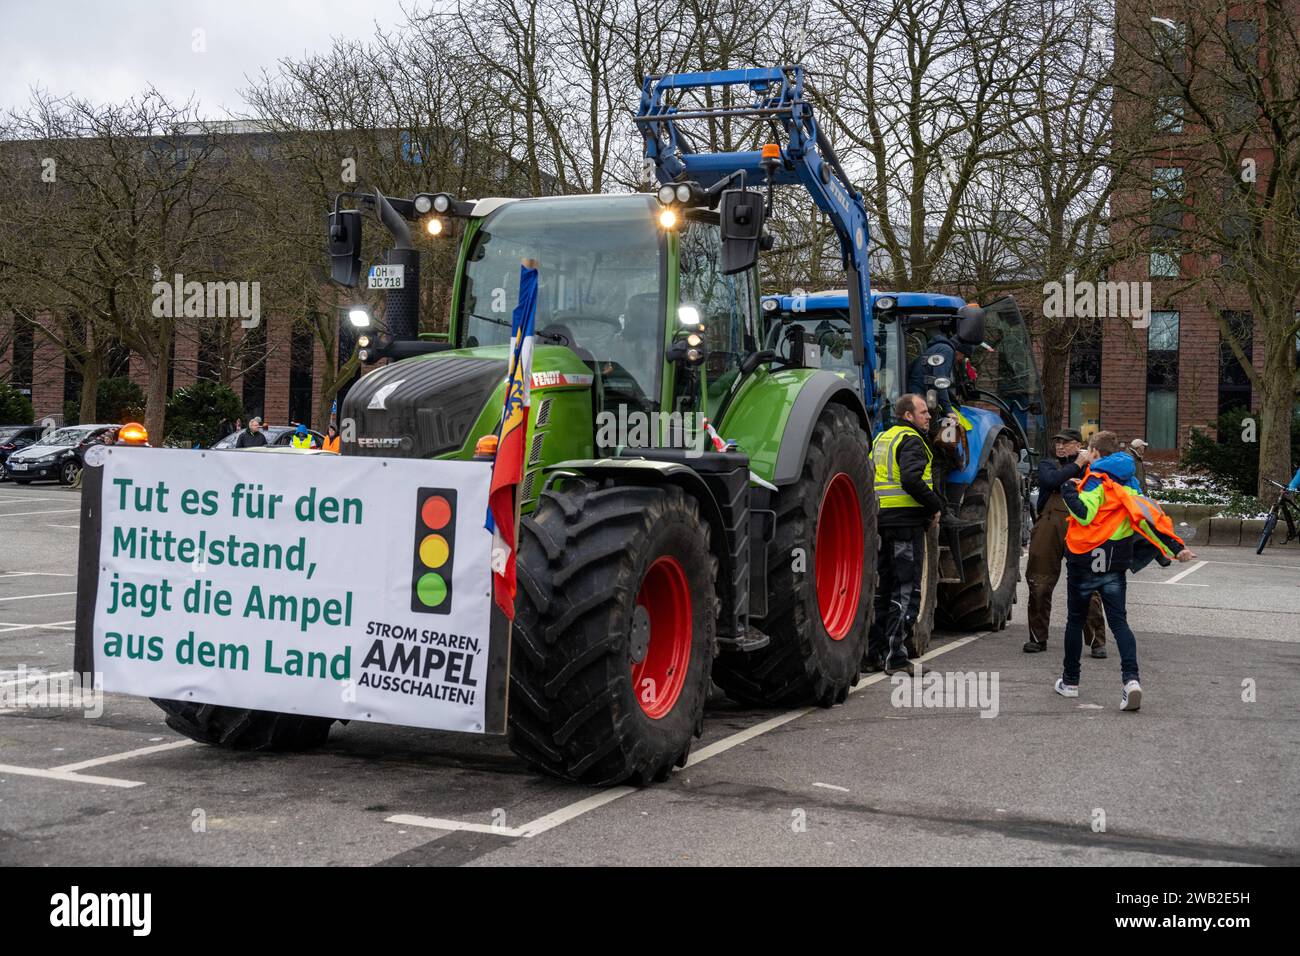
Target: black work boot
(1033, 647)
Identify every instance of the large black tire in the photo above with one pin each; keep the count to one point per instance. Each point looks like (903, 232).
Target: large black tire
(923, 629)
(240, 729)
(984, 601)
(802, 662)
(599, 568)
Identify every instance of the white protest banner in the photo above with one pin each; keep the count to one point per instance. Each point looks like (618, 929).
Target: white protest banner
(356, 588)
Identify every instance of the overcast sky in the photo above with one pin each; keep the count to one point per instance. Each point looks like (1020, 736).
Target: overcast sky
(108, 50)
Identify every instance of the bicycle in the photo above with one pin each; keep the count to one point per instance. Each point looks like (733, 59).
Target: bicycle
(1286, 507)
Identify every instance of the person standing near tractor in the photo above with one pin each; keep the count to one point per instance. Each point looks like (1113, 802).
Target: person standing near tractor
(1047, 546)
(252, 437)
(909, 505)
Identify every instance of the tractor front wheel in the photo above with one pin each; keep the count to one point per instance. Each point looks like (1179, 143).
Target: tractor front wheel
(990, 548)
(614, 634)
(238, 729)
(821, 577)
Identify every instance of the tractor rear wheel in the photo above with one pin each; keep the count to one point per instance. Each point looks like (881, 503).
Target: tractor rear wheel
(990, 547)
(821, 577)
(240, 729)
(923, 629)
(614, 634)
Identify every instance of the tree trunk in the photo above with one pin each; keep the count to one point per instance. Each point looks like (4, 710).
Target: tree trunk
(155, 409)
(1055, 363)
(89, 410)
(1276, 408)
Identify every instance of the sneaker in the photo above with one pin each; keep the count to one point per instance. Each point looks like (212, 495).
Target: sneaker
(1032, 646)
(1132, 699)
(1099, 651)
(1066, 690)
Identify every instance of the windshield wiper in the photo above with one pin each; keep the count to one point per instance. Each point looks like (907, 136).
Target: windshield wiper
(549, 336)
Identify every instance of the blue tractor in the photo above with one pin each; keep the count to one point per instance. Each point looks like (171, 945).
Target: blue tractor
(973, 558)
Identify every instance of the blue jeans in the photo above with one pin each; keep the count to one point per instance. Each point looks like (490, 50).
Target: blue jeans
(1113, 587)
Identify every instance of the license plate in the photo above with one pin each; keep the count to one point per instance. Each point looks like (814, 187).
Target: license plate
(387, 277)
(16, 466)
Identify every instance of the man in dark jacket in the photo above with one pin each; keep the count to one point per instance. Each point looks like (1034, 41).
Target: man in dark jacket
(909, 505)
(1047, 547)
(253, 436)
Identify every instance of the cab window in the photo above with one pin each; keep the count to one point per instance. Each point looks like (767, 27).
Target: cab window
(726, 306)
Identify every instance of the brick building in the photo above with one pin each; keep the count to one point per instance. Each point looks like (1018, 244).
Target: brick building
(1179, 372)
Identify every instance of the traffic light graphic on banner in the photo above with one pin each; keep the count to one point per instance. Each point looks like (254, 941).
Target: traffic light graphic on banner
(435, 545)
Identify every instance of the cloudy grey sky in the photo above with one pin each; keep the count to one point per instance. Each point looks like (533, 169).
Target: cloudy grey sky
(111, 49)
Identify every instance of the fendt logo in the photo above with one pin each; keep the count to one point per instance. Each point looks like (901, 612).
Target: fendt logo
(435, 542)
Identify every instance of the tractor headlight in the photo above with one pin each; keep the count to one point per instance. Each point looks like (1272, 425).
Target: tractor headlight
(423, 204)
(433, 226)
(771, 305)
(359, 317)
(688, 315)
(668, 219)
(666, 195)
(441, 202)
(886, 302)
(683, 192)
(363, 341)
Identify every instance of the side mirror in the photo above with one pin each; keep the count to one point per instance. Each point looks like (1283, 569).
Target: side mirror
(345, 247)
(742, 229)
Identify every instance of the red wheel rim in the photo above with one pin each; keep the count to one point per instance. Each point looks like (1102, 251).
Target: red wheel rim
(839, 556)
(658, 679)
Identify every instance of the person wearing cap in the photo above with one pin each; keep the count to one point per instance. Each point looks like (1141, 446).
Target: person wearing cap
(301, 439)
(253, 436)
(1137, 448)
(1047, 546)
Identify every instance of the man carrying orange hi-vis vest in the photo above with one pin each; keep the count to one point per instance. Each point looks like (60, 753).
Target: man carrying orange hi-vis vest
(1109, 521)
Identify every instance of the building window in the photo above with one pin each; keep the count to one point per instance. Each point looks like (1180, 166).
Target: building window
(1239, 107)
(1234, 382)
(208, 366)
(1162, 380)
(1166, 221)
(1169, 113)
(253, 367)
(300, 363)
(1085, 380)
(24, 347)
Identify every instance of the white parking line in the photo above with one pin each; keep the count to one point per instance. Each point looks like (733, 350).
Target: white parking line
(31, 677)
(1182, 574)
(37, 574)
(8, 500)
(128, 755)
(66, 777)
(32, 597)
(563, 815)
(23, 514)
(55, 626)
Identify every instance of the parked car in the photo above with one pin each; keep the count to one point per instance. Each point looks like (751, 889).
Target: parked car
(276, 436)
(58, 456)
(14, 437)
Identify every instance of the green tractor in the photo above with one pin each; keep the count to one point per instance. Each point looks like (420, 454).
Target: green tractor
(650, 562)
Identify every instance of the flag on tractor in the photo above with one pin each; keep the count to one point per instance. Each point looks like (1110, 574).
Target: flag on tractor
(508, 466)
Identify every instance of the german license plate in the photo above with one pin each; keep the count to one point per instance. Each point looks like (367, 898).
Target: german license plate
(387, 277)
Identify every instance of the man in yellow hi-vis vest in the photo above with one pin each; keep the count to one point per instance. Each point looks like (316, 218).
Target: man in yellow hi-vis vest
(909, 505)
(301, 438)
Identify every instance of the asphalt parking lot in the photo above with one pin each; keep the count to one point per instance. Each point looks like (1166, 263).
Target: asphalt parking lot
(1207, 773)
